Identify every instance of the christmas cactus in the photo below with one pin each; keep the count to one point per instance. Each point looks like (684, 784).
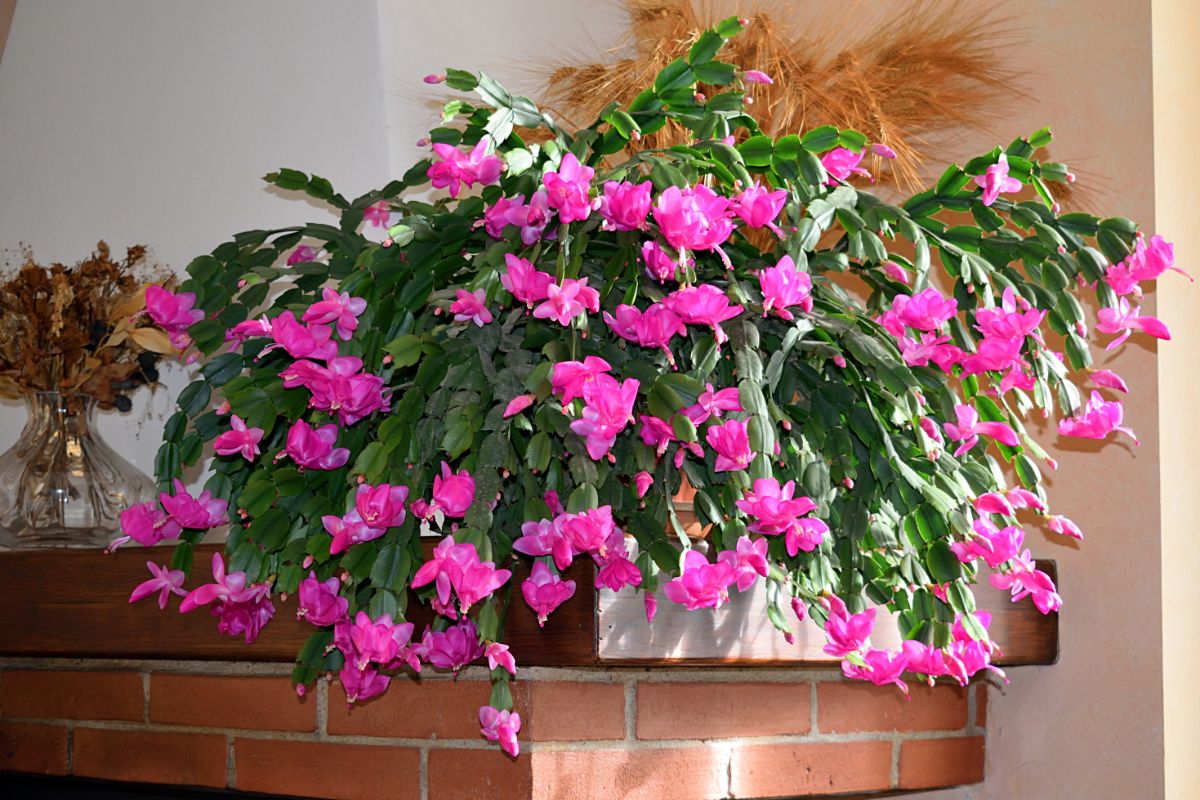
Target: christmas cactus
(533, 366)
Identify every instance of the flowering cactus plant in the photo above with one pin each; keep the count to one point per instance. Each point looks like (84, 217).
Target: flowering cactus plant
(533, 366)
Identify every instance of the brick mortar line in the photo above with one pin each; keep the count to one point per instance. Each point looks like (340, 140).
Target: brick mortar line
(630, 711)
(322, 708)
(423, 773)
(894, 771)
(812, 708)
(145, 697)
(70, 749)
(972, 707)
(230, 763)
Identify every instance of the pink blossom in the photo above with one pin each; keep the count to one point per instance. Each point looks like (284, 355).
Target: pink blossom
(565, 302)
(533, 218)
(895, 271)
(546, 538)
(882, 668)
(1025, 580)
(1150, 260)
(653, 327)
(759, 207)
(300, 341)
(247, 329)
(301, 254)
(695, 218)
(567, 189)
(995, 181)
(568, 378)
(1108, 379)
(1120, 278)
(1015, 318)
(1125, 321)
(173, 313)
(589, 531)
(242, 609)
(498, 656)
(453, 492)
(701, 584)
(659, 265)
(340, 309)
(348, 530)
(545, 591)
(919, 354)
(378, 640)
(965, 656)
(362, 685)
(704, 304)
(731, 441)
(625, 205)
(501, 726)
(197, 513)
(458, 169)
(501, 213)
(146, 524)
(1097, 420)
(656, 432)
(882, 150)
(713, 403)
(338, 387)
(783, 286)
(524, 281)
(381, 506)
(775, 510)
(754, 76)
(518, 404)
(928, 310)
(608, 408)
(1023, 498)
(453, 648)
(925, 659)
(967, 430)
(749, 561)
(798, 608)
(377, 214)
(994, 545)
(847, 633)
(471, 307)
(1064, 527)
(615, 569)
(993, 355)
(994, 503)
(312, 448)
(841, 163)
(321, 603)
(642, 482)
(165, 581)
(239, 439)
(434, 79)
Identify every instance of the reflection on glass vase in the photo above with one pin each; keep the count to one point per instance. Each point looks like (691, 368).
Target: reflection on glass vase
(61, 485)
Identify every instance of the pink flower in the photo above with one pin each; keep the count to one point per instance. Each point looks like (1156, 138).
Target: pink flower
(589, 531)
(650, 605)
(653, 327)
(995, 181)
(659, 265)
(340, 309)
(564, 303)
(545, 538)
(701, 584)
(625, 205)
(362, 685)
(616, 570)
(994, 503)
(1108, 379)
(499, 656)
(240, 439)
(301, 254)
(925, 311)
(994, 545)
(759, 207)
(993, 355)
(524, 281)
(165, 581)
(847, 633)
(965, 656)
(1015, 318)
(146, 524)
(1025, 580)
(173, 313)
(776, 511)
(968, 429)
(433, 78)
(378, 640)
(1064, 527)
(313, 448)
(608, 408)
(731, 441)
(1097, 420)
(1125, 321)
(198, 513)
(782, 286)
(534, 218)
(754, 76)
(925, 659)
(749, 561)
(242, 609)
(381, 506)
(695, 218)
(1023, 498)
(703, 305)
(247, 329)
(501, 213)
(348, 530)
(452, 649)
(458, 169)
(882, 150)
(518, 404)
(841, 163)
(471, 307)
(321, 603)
(895, 271)
(453, 492)
(568, 378)
(567, 189)
(376, 215)
(501, 726)
(713, 403)
(1149, 260)
(300, 341)
(882, 667)
(642, 482)
(545, 591)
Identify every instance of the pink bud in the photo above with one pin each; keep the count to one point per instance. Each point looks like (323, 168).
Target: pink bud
(755, 76)
(434, 78)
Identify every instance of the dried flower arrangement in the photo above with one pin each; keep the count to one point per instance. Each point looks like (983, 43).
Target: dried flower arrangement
(79, 329)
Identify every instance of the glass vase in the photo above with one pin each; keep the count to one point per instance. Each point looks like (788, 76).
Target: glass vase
(61, 485)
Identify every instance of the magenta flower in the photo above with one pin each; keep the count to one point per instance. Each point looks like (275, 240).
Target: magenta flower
(502, 213)
(247, 329)
(847, 633)
(443, 570)
(471, 307)
(321, 603)
(925, 659)
(568, 378)
(993, 355)
(895, 271)
(545, 591)
(453, 492)
(518, 404)
(362, 685)
(695, 218)
(565, 302)
(783, 286)
(775, 510)
(1150, 260)
(499, 656)
(1023, 498)
(312, 448)
(348, 530)
(701, 584)
(754, 76)
(965, 656)
(731, 441)
(759, 207)
(653, 327)
(240, 439)
(340, 309)
(642, 482)
(1097, 420)
(882, 668)
(882, 150)
(534, 218)
(625, 205)
(994, 545)
(524, 281)
(608, 408)
(1024, 579)
(173, 313)
(377, 214)
(502, 727)
(659, 265)
(589, 531)
(339, 387)
(546, 538)
(434, 78)
(567, 189)
(378, 640)
(994, 503)
(381, 506)
(165, 581)
(242, 609)
(749, 561)
(301, 341)
(453, 648)
(650, 605)
(301, 254)
(458, 169)
(616, 570)
(995, 181)
(703, 305)
(925, 311)
(1015, 318)
(1125, 321)
(841, 163)
(1107, 379)
(1064, 527)
(198, 513)
(477, 580)
(968, 429)
(713, 403)
(146, 524)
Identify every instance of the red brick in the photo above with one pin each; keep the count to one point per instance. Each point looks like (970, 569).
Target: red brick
(562, 711)
(694, 773)
(934, 763)
(799, 770)
(327, 769)
(33, 748)
(715, 710)
(845, 707)
(230, 702)
(72, 695)
(477, 775)
(981, 703)
(441, 709)
(189, 759)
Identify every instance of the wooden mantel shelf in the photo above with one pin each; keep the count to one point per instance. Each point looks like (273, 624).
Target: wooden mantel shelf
(74, 603)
